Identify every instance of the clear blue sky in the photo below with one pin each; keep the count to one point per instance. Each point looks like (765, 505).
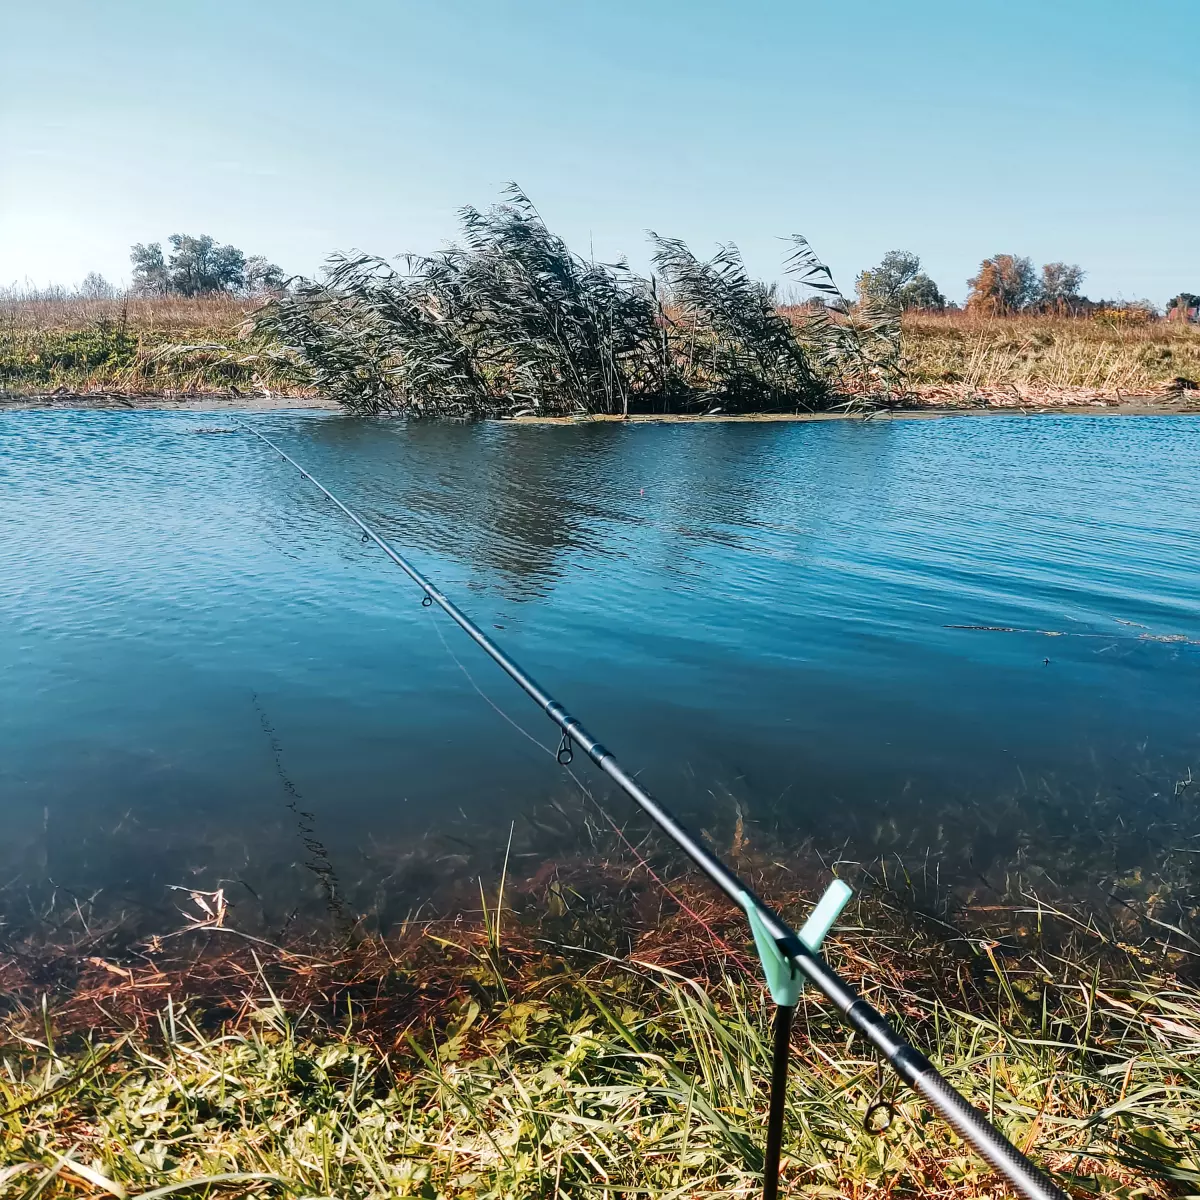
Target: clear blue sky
(1053, 128)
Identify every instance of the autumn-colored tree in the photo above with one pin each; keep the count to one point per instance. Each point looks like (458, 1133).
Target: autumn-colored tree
(1006, 283)
(1184, 307)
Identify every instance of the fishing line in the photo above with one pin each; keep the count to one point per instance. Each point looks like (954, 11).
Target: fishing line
(718, 941)
(482, 694)
(783, 951)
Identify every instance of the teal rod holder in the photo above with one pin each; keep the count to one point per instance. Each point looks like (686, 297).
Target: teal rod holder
(783, 980)
(785, 983)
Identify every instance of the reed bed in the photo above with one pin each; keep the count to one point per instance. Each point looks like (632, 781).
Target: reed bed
(511, 321)
(508, 321)
(588, 1032)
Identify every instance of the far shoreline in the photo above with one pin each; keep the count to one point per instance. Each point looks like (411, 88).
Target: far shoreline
(1185, 404)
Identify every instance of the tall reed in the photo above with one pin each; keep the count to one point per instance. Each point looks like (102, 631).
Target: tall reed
(511, 320)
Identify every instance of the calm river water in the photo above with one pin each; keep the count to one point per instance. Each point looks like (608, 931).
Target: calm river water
(760, 618)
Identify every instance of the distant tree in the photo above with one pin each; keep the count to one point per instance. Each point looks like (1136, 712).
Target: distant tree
(1137, 312)
(200, 265)
(922, 292)
(884, 282)
(96, 287)
(150, 277)
(899, 282)
(1060, 285)
(1005, 284)
(262, 276)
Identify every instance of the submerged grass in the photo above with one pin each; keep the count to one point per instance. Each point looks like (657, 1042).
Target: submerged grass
(520, 1058)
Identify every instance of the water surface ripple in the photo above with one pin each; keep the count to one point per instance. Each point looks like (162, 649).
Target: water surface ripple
(756, 616)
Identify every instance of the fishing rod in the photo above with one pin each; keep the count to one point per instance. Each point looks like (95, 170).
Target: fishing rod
(779, 945)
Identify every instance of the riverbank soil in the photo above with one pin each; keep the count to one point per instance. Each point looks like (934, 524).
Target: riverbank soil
(980, 404)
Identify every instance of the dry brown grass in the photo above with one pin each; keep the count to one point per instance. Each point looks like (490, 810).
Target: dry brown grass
(149, 315)
(958, 355)
(133, 346)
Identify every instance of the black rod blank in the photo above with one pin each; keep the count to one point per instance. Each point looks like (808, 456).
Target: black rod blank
(909, 1063)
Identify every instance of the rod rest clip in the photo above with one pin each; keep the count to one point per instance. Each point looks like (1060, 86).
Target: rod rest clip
(783, 980)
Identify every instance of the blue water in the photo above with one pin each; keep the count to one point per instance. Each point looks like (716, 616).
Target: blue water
(754, 615)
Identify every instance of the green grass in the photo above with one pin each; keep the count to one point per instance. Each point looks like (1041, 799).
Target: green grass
(500, 1062)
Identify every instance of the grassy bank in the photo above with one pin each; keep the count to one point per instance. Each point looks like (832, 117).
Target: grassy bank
(962, 354)
(132, 347)
(149, 346)
(598, 1036)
